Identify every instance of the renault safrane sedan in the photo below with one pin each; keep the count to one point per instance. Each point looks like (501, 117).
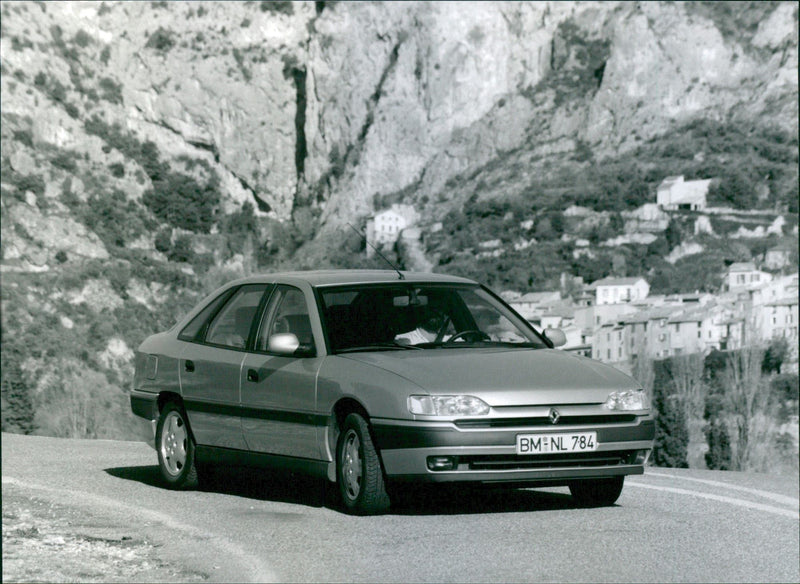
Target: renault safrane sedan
(378, 378)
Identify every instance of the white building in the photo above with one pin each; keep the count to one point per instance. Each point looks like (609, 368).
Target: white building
(778, 257)
(744, 276)
(385, 227)
(532, 304)
(675, 194)
(620, 290)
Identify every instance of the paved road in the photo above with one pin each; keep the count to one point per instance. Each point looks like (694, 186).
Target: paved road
(668, 526)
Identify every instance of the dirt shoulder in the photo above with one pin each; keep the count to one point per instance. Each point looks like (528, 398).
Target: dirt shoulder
(52, 542)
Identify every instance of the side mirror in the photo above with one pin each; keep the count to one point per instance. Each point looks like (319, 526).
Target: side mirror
(556, 336)
(288, 344)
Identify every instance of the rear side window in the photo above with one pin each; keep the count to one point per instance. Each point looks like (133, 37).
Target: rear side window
(231, 326)
(196, 329)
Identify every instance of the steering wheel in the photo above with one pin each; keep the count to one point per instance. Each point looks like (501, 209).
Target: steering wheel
(479, 336)
(440, 334)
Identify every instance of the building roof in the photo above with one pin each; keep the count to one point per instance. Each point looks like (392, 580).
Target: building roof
(670, 180)
(742, 267)
(616, 282)
(537, 296)
(788, 301)
(656, 313)
(783, 247)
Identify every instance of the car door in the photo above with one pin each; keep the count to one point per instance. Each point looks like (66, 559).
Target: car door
(279, 391)
(210, 369)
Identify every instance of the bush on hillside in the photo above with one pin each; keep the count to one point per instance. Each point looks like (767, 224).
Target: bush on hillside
(181, 201)
(161, 40)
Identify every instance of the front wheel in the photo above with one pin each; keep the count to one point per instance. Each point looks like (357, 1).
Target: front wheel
(176, 448)
(358, 469)
(598, 492)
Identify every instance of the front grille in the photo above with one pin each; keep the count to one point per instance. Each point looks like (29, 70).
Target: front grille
(570, 460)
(545, 421)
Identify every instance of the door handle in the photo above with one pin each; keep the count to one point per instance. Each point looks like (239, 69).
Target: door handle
(189, 366)
(252, 375)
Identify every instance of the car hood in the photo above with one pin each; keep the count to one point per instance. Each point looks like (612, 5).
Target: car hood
(502, 377)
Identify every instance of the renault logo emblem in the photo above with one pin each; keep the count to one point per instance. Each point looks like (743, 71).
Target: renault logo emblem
(554, 416)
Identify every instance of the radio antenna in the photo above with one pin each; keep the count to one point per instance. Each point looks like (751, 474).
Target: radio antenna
(375, 249)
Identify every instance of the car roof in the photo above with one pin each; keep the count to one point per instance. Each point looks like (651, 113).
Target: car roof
(319, 278)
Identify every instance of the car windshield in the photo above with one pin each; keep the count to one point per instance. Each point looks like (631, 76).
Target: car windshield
(419, 316)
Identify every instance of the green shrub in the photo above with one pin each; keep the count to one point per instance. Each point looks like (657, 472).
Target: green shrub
(114, 219)
(163, 240)
(277, 7)
(162, 40)
(65, 160)
(785, 387)
(82, 39)
(26, 182)
(776, 353)
(117, 169)
(181, 201)
(24, 137)
(718, 455)
(182, 250)
(112, 91)
(16, 412)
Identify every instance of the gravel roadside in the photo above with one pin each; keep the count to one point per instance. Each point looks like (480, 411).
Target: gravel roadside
(51, 542)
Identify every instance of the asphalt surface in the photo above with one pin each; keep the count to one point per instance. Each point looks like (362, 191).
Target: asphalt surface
(669, 525)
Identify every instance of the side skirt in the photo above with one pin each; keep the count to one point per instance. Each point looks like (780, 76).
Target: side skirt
(232, 457)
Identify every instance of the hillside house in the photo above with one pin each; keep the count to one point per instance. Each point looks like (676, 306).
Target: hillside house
(674, 194)
(385, 227)
(532, 304)
(742, 276)
(620, 290)
(778, 257)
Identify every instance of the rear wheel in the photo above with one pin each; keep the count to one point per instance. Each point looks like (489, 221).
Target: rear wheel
(176, 448)
(358, 469)
(598, 492)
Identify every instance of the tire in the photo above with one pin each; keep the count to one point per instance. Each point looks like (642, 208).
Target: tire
(176, 448)
(598, 492)
(358, 469)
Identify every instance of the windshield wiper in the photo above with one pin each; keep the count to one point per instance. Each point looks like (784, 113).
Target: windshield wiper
(378, 347)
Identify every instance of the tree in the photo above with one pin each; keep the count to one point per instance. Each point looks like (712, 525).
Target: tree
(746, 395)
(686, 374)
(718, 455)
(736, 189)
(671, 444)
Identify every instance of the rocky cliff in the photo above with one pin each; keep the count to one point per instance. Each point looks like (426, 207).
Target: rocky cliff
(312, 110)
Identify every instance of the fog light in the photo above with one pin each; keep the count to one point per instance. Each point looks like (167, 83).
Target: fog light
(641, 457)
(441, 462)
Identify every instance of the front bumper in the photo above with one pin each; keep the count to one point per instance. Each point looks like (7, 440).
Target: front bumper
(488, 455)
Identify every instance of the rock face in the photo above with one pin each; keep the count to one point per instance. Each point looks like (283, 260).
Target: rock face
(326, 106)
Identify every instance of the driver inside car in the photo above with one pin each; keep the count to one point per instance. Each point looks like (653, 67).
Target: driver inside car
(433, 325)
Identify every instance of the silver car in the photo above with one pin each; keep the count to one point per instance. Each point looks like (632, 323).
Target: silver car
(377, 378)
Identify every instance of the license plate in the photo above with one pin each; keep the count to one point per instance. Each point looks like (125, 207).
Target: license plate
(554, 443)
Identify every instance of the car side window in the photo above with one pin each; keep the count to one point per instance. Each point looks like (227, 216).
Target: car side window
(287, 312)
(231, 326)
(198, 325)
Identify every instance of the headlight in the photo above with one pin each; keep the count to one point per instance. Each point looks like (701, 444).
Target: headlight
(634, 399)
(447, 405)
